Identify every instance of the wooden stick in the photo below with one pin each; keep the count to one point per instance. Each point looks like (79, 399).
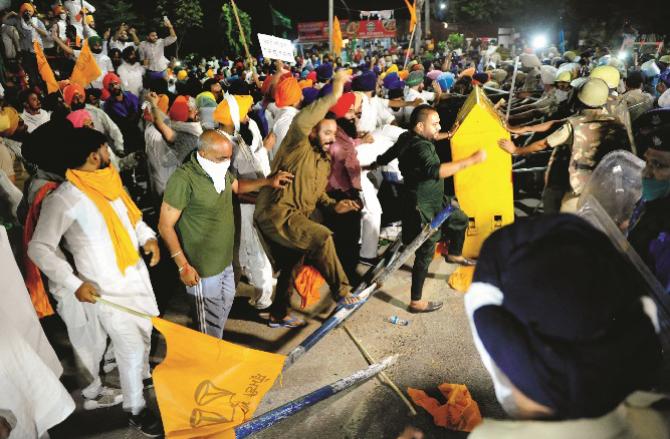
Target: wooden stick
(239, 26)
(123, 308)
(385, 378)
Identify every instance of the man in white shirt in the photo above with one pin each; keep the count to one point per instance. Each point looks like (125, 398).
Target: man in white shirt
(131, 71)
(288, 97)
(95, 44)
(100, 226)
(414, 90)
(33, 115)
(152, 51)
(76, 15)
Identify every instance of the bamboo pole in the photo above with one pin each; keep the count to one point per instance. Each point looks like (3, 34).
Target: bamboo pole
(239, 26)
(382, 375)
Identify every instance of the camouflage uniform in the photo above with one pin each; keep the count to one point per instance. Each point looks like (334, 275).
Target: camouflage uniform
(617, 107)
(580, 131)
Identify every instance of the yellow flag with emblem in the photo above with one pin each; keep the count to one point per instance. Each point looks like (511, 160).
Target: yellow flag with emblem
(338, 42)
(206, 387)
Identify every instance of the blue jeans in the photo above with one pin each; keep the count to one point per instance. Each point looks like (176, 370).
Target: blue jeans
(212, 300)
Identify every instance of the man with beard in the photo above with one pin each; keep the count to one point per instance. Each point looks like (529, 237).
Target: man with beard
(33, 115)
(102, 229)
(131, 71)
(95, 44)
(424, 197)
(121, 41)
(344, 182)
(123, 108)
(152, 51)
(283, 217)
(74, 96)
(250, 161)
(29, 29)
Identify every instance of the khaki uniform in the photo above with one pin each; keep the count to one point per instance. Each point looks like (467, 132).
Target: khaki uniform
(638, 103)
(616, 106)
(581, 131)
(282, 216)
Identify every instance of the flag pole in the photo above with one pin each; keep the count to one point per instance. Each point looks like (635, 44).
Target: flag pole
(511, 90)
(409, 47)
(277, 415)
(239, 26)
(124, 308)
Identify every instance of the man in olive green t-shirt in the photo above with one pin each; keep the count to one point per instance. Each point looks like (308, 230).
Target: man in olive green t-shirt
(198, 227)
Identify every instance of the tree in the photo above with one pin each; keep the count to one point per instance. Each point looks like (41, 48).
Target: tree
(112, 14)
(185, 15)
(232, 38)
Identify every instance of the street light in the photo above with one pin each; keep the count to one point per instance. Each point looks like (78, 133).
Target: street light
(443, 6)
(539, 42)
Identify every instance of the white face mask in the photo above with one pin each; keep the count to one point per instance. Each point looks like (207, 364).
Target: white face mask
(562, 95)
(217, 171)
(62, 16)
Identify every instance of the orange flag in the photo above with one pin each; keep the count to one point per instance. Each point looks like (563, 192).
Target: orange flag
(337, 37)
(412, 14)
(206, 387)
(86, 69)
(45, 69)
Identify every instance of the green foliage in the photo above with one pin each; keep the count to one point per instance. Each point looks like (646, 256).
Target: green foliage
(455, 41)
(112, 14)
(485, 11)
(185, 15)
(232, 38)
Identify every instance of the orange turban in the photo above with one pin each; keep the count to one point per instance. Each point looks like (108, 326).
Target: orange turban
(163, 103)
(71, 90)
(305, 83)
(27, 7)
(222, 112)
(468, 72)
(179, 110)
(287, 92)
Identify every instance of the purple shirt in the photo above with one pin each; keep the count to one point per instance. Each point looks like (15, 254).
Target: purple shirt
(345, 169)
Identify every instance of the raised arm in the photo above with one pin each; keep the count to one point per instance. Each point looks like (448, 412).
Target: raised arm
(168, 133)
(310, 116)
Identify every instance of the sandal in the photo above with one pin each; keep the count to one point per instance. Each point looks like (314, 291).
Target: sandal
(291, 322)
(352, 305)
(466, 262)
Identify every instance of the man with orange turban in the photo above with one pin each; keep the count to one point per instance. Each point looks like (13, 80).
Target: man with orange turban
(283, 217)
(250, 161)
(288, 96)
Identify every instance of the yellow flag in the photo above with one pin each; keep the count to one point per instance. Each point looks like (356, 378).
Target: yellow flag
(412, 14)
(86, 69)
(45, 69)
(206, 387)
(337, 37)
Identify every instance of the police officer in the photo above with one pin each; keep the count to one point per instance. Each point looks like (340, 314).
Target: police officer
(582, 135)
(616, 106)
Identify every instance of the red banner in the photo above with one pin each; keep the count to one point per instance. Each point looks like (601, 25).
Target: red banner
(315, 31)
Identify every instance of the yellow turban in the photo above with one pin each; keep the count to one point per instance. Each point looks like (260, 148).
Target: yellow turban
(287, 92)
(222, 112)
(305, 83)
(182, 75)
(392, 69)
(13, 116)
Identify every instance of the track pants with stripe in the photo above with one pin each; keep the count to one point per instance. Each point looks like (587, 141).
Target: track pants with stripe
(212, 300)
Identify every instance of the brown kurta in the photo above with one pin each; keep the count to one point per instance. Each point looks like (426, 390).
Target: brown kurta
(282, 215)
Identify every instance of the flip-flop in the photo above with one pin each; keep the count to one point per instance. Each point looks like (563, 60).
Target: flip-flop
(346, 305)
(293, 322)
(466, 262)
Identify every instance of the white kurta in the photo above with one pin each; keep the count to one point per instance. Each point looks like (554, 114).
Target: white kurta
(29, 369)
(33, 121)
(411, 95)
(254, 263)
(131, 77)
(69, 215)
(375, 113)
(162, 159)
(281, 125)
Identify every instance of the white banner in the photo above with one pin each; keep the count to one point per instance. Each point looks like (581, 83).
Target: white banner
(276, 48)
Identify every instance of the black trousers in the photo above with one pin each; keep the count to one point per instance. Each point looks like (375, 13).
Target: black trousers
(453, 229)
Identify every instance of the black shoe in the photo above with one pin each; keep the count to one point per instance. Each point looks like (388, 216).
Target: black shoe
(147, 423)
(148, 383)
(432, 306)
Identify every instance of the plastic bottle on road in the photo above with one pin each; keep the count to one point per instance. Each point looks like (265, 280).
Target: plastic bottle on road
(397, 321)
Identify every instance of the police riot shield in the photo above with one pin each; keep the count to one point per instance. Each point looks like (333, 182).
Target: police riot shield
(616, 184)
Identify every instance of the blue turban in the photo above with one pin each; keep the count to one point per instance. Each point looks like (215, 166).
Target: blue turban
(324, 72)
(309, 95)
(366, 81)
(557, 309)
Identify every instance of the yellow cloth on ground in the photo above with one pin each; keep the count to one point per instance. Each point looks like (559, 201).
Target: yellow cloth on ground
(460, 412)
(102, 187)
(206, 387)
(461, 279)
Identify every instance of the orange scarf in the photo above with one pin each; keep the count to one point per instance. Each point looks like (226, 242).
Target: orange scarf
(34, 283)
(102, 187)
